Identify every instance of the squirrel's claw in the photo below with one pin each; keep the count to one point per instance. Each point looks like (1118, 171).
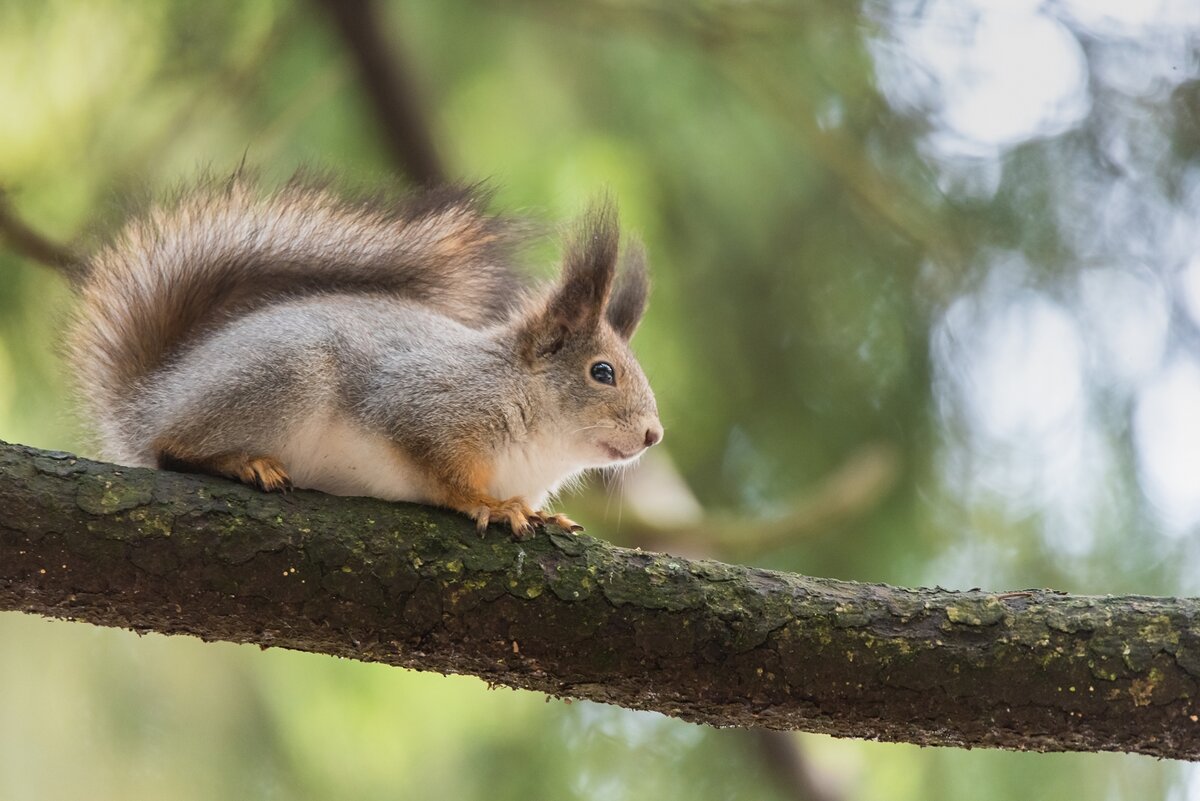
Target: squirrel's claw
(482, 517)
(562, 521)
(515, 512)
(266, 473)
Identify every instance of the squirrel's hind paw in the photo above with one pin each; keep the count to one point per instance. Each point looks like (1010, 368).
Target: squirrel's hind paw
(266, 473)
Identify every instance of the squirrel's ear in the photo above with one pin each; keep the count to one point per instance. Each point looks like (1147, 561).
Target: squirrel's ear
(588, 268)
(578, 301)
(628, 301)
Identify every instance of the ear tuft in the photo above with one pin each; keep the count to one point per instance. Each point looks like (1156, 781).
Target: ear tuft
(629, 296)
(576, 304)
(588, 268)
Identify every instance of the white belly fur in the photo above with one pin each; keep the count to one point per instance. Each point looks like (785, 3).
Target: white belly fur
(533, 470)
(328, 454)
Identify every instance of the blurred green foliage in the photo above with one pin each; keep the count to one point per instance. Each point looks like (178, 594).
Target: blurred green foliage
(847, 253)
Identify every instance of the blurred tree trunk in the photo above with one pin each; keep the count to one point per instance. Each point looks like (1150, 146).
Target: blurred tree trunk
(403, 125)
(573, 616)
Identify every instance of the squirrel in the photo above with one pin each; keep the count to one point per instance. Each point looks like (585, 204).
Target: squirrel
(387, 348)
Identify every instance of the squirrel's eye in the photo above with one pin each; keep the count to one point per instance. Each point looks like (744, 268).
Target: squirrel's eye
(604, 373)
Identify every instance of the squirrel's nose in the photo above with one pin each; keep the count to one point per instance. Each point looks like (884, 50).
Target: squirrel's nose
(653, 435)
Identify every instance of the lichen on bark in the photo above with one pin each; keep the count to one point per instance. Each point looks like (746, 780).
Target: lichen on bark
(573, 616)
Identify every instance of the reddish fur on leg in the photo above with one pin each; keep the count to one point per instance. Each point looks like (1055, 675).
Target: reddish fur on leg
(463, 490)
(265, 472)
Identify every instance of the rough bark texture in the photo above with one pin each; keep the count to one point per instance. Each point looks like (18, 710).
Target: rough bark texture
(573, 616)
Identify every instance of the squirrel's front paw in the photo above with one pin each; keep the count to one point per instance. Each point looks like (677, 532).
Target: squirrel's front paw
(559, 520)
(515, 512)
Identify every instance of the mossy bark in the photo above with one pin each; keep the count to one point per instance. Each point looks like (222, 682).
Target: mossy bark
(572, 616)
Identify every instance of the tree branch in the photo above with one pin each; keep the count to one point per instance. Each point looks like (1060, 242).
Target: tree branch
(392, 95)
(573, 616)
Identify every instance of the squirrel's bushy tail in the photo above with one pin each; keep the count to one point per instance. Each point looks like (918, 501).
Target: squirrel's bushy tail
(228, 248)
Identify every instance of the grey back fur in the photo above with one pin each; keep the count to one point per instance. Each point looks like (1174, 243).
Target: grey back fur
(228, 247)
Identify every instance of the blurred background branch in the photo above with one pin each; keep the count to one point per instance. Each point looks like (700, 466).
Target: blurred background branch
(31, 244)
(662, 513)
(790, 767)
